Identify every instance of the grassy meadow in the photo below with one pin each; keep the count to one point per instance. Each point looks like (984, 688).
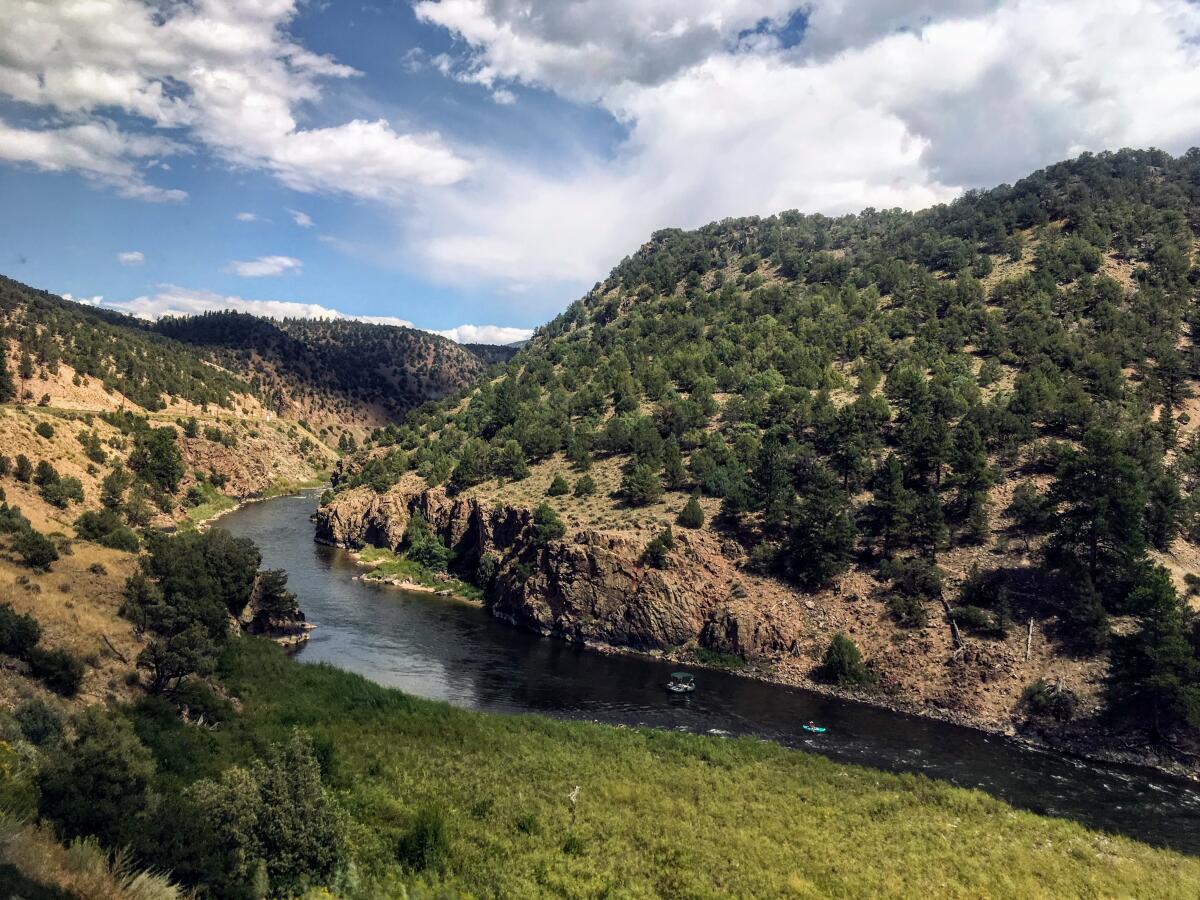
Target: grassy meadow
(656, 814)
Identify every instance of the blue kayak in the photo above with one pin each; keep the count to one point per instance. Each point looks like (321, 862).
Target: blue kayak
(815, 729)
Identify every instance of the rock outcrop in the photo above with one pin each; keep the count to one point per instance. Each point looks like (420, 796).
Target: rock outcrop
(593, 586)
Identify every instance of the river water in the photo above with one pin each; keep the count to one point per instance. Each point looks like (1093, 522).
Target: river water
(451, 650)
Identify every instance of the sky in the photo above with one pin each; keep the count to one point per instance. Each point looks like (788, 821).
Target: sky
(473, 166)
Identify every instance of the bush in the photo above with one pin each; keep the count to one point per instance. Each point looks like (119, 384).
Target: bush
(972, 617)
(692, 515)
(426, 844)
(62, 492)
(423, 547)
(558, 486)
(641, 486)
(41, 723)
(44, 429)
(105, 527)
(843, 664)
(24, 469)
(274, 822)
(36, 551)
(99, 783)
(59, 670)
(657, 549)
(547, 526)
(5, 465)
(908, 610)
(1044, 700)
(19, 632)
(585, 486)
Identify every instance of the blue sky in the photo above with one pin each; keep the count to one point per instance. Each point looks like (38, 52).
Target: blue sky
(472, 166)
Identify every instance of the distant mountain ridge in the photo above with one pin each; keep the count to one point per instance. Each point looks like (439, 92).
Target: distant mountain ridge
(342, 373)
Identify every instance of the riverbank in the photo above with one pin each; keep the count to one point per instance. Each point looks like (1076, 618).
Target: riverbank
(528, 806)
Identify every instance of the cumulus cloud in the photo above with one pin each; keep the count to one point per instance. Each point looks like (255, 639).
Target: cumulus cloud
(173, 300)
(264, 266)
(97, 150)
(486, 334)
(247, 217)
(228, 74)
(131, 258)
(300, 218)
(879, 103)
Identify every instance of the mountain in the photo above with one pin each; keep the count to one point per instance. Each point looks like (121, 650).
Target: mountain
(252, 404)
(340, 373)
(959, 443)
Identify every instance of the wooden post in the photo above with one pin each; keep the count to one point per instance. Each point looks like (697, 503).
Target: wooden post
(1029, 640)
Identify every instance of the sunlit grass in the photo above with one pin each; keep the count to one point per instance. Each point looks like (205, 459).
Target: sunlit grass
(386, 564)
(658, 813)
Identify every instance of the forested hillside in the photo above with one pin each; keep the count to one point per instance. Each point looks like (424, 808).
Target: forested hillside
(336, 370)
(960, 443)
(335, 374)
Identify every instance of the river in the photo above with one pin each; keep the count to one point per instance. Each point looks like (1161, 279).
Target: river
(450, 650)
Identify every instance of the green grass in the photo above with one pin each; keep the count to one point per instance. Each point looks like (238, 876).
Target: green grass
(283, 487)
(658, 813)
(213, 504)
(388, 564)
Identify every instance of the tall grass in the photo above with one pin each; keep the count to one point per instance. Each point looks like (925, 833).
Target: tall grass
(36, 865)
(654, 813)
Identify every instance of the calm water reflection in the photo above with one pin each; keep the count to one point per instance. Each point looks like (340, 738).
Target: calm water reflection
(454, 651)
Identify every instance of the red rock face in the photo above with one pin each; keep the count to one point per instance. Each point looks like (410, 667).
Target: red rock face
(592, 586)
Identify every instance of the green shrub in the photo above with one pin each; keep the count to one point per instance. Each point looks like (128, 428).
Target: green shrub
(1044, 700)
(426, 844)
(547, 526)
(843, 664)
(36, 551)
(19, 632)
(641, 486)
(44, 429)
(58, 669)
(41, 723)
(558, 486)
(692, 515)
(62, 492)
(972, 617)
(585, 486)
(99, 782)
(908, 610)
(24, 469)
(659, 547)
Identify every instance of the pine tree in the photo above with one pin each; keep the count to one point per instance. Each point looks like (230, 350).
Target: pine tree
(928, 525)
(641, 486)
(674, 472)
(8, 390)
(1100, 526)
(823, 534)
(558, 486)
(1154, 675)
(771, 482)
(692, 515)
(892, 505)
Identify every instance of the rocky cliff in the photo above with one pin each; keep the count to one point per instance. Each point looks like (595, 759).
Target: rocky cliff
(596, 586)
(592, 586)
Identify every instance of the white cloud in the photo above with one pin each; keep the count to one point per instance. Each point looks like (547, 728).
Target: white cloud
(504, 97)
(301, 218)
(228, 73)
(264, 266)
(247, 217)
(486, 334)
(882, 104)
(131, 258)
(96, 150)
(172, 300)
(584, 49)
